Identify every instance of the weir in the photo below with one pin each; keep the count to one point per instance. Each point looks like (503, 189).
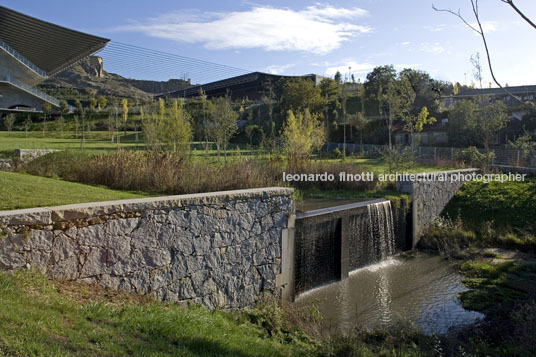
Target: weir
(331, 242)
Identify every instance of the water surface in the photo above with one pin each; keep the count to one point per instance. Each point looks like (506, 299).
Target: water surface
(422, 290)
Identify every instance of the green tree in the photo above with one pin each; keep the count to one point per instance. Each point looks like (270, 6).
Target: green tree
(47, 108)
(174, 130)
(27, 123)
(330, 90)
(377, 83)
(223, 123)
(302, 135)
(415, 123)
(92, 104)
(490, 118)
(64, 107)
(462, 112)
(60, 124)
(9, 121)
(338, 77)
(298, 94)
(102, 102)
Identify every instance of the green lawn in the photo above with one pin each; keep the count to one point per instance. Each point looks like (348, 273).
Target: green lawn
(97, 141)
(37, 320)
(24, 191)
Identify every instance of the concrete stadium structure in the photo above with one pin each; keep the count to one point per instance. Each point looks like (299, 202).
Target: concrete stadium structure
(252, 85)
(31, 50)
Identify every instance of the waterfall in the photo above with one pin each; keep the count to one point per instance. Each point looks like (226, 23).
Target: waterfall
(363, 233)
(382, 235)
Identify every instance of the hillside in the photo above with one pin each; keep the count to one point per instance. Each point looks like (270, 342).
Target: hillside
(89, 76)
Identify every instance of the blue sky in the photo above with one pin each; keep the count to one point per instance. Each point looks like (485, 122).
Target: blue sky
(302, 37)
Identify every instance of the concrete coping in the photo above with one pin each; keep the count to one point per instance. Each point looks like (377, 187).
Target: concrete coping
(49, 215)
(335, 209)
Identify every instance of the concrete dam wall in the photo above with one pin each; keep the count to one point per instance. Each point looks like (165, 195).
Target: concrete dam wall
(331, 242)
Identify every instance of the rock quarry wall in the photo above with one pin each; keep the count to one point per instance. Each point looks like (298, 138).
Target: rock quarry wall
(219, 249)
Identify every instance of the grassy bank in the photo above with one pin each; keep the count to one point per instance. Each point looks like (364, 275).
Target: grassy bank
(24, 191)
(492, 241)
(45, 318)
(38, 318)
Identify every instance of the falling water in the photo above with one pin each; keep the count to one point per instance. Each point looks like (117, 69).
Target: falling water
(371, 235)
(382, 230)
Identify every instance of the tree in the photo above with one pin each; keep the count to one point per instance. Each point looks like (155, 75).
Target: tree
(9, 121)
(415, 123)
(174, 130)
(377, 82)
(60, 123)
(64, 107)
(338, 77)
(92, 104)
(478, 28)
(269, 98)
(462, 112)
(477, 68)
(489, 119)
(456, 88)
(302, 135)
(427, 91)
(124, 109)
(27, 123)
(251, 132)
(102, 102)
(47, 108)
(330, 90)
(298, 94)
(223, 123)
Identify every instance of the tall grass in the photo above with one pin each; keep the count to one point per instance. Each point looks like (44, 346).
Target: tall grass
(169, 173)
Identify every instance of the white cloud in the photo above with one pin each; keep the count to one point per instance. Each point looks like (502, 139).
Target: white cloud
(343, 65)
(405, 43)
(315, 29)
(487, 26)
(278, 69)
(436, 28)
(432, 47)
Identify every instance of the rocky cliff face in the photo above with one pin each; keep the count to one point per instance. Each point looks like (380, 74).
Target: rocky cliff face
(90, 73)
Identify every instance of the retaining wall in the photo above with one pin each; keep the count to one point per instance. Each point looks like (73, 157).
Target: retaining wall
(217, 249)
(430, 195)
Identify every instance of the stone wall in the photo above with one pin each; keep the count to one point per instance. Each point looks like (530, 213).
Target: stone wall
(430, 195)
(30, 154)
(218, 249)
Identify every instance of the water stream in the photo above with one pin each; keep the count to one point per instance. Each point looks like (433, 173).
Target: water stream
(422, 290)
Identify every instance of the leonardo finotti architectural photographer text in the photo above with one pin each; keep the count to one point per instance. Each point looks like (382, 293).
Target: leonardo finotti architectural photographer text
(404, 176)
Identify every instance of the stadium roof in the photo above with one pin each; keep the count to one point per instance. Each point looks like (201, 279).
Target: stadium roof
(48, 46)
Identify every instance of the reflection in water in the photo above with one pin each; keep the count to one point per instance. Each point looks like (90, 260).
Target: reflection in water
(383, 295)
(423, 290)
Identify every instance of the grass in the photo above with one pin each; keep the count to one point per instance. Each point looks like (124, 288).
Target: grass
(19, 190)
(36, 319)
(506, 206)
(491, 284)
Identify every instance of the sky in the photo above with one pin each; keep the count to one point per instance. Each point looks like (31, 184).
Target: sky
(301, 37)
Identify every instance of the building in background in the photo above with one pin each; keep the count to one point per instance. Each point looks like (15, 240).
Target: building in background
(31, 51)
(252, 85)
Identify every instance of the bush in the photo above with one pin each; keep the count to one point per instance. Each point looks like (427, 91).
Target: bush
(472, 157)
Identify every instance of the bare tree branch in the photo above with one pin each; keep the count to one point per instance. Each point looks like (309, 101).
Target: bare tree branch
(480, 31)
(511, 3)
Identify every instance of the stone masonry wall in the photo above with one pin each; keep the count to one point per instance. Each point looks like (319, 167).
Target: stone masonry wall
(217, 249)
(429, 197)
